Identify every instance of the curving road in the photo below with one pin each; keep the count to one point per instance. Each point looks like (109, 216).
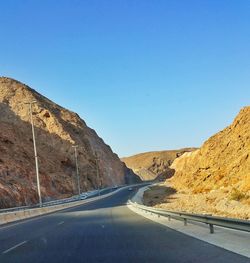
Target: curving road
(103, 231)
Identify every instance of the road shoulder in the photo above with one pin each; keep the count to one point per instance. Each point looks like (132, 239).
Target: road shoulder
(232, 240)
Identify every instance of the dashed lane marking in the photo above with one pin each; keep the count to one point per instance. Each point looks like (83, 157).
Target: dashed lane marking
(14, 247)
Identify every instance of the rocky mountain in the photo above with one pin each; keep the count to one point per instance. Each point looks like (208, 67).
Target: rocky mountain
(56, 129)
(223, 162)
(214, 179)
(152, 165)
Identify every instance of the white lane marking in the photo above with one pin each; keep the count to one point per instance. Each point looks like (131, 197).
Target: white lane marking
(18, 245)
(87, 201)
(60, 223)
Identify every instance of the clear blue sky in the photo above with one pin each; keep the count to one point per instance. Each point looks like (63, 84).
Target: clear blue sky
(145, 74)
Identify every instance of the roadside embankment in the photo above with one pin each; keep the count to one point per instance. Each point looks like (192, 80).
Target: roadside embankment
(214, 202)
(232, 240)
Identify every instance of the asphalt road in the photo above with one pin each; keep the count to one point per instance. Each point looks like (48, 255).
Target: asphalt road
(103, 231)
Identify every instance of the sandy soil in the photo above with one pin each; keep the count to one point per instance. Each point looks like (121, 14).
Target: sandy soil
(215, 202)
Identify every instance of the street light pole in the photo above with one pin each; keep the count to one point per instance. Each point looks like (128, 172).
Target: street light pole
(35, 152)
(97, 173)
(77, 171)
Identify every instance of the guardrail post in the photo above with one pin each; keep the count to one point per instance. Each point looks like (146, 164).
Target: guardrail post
(243, 225)
(211, 227)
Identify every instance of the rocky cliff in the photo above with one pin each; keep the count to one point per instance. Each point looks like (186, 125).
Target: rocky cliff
(152, 165)
(56, 129)
(214, 179)
(223, 162)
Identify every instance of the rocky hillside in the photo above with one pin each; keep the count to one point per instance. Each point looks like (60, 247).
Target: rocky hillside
(152, 165)
(223, 162)
(56, 129)
(214, 179)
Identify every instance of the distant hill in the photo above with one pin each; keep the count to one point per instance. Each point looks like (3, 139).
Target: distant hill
(152, 165)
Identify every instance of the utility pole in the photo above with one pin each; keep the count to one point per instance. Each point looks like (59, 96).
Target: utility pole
(35, 151)
(77, 171)
(97, 173)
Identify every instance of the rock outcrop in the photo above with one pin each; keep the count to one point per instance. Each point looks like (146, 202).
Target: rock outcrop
(223, 162)
(56, 129)
(214, 179)
(154, 165)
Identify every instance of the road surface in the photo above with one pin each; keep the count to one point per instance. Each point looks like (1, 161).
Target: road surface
(103, 231)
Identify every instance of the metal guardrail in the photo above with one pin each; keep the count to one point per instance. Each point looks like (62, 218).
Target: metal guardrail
(84, 195)
(45, 204)
(66, 200)
(237, 224)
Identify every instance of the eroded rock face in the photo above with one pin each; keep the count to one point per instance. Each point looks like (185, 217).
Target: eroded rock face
(56, 129)
(223, 162)
(152, 165)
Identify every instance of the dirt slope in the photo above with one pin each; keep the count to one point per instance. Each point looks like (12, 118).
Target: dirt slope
(57, 129)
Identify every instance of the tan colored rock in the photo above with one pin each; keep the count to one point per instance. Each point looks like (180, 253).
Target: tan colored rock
(214, 179)
(152, 165)
(56, 129)
(223, 162)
